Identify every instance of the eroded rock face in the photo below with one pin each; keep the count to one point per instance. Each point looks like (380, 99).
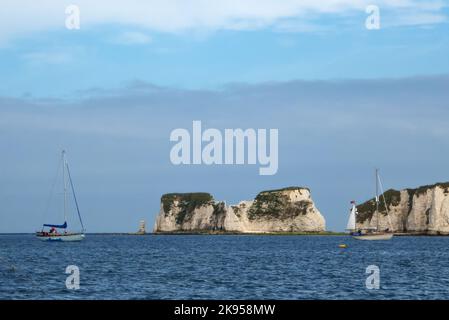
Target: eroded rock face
(284, 210)
(189, 212)
(421, 210)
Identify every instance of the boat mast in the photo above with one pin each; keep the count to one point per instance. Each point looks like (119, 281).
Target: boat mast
(64, 164)
(377, 197)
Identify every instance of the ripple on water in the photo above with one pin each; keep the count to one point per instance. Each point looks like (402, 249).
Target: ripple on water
(224, 267)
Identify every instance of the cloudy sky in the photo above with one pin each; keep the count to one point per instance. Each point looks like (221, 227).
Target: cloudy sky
(345, 100)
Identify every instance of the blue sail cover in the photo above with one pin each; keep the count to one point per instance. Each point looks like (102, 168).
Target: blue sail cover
(62, 226)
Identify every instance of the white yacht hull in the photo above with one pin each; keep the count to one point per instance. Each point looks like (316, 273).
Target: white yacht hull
(373, 237)
(63, 237)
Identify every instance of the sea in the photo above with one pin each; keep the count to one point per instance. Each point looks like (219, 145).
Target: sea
(225, 267)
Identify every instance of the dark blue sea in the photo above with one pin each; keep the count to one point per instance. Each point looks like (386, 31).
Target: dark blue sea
(224, 267)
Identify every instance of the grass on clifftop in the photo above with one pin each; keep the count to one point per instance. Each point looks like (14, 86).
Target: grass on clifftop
(285, 189)
(393, 199)
(274, 204)
(423, 190)
(187, 203)
(367, 209)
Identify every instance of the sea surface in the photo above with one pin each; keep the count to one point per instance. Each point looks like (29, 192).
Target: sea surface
(224, 267)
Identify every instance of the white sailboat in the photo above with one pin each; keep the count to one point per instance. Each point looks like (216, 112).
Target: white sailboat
(57, 232)
(369, 233)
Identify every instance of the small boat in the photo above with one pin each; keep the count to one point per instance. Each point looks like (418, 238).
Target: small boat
(59, 232)
(66, 236)
(369, 234)
(374, 236)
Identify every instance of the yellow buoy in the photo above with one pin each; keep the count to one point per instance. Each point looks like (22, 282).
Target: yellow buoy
(343, 246)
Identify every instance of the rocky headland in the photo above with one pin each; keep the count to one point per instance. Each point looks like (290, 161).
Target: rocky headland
(284, 210)
(424, 210)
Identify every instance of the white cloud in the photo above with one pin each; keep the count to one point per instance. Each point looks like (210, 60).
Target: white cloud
(22, 17)
(418, 19)
(132, 38)
(53, 55)
(42, 57)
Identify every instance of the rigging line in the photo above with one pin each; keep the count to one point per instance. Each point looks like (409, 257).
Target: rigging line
(74, 196)
(385, 202)
(47, 207)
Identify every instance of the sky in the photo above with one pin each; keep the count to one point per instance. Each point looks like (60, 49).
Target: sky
(344, 98)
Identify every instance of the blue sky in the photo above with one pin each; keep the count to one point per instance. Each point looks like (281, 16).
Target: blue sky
(62, 63)
(112, 91)
(313, 44)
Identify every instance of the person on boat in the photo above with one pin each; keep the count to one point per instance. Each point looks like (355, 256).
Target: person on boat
(53, 230)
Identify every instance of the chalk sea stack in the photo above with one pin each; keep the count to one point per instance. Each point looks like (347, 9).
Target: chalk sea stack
(285, 210)
(424, 210)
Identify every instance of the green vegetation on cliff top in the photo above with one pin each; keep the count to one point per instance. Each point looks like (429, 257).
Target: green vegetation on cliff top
(274, 204)
(188, 202)
(422, 190)
(285, 189)
(366, 210)
(268, 204)
(393, 199)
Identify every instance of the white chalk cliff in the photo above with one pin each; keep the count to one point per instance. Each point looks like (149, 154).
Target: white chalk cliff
(424, 210)
(285, 210)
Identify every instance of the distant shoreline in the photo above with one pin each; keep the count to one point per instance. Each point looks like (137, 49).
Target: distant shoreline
(223, 233)
(325, 233)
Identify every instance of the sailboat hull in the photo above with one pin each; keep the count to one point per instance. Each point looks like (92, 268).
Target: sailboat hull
(63, 237)
(374, 237)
